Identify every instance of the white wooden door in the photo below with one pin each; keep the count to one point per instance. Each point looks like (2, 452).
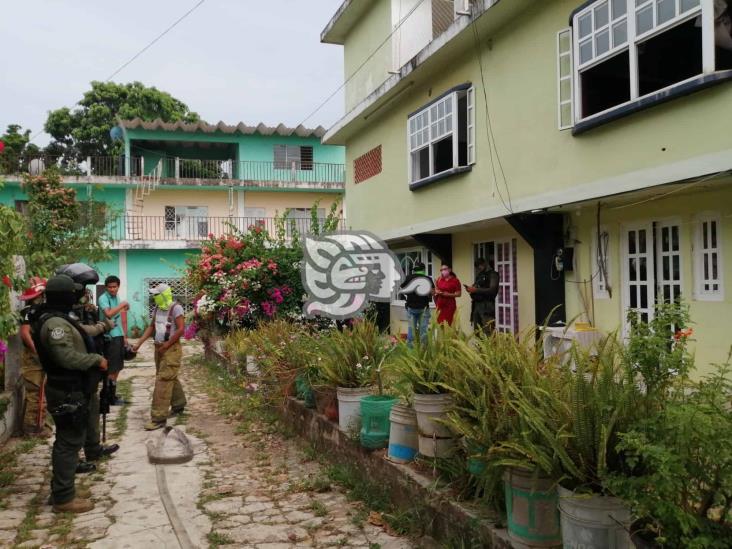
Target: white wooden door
(638, 272)
(507, 298)
(668, 254)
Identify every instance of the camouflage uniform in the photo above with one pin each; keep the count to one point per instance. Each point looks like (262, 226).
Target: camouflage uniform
(67, 360)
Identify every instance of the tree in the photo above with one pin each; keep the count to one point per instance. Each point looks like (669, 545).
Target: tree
(17, 142)
(55, 235)
(84, 131)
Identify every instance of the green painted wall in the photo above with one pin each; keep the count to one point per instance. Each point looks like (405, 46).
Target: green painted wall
(520, 70)
(712, 336)
(361, 42)
(142, 264)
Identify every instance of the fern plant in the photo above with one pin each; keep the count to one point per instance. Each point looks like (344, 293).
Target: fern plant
(426, 366)
(351, 358)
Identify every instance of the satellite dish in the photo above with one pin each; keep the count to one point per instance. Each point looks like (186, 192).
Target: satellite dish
(116, 133)
(36, 166)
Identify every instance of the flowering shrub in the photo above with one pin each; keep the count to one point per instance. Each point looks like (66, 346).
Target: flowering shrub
(246, 277)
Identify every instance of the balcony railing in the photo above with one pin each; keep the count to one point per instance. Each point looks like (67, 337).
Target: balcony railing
(191, 228)
(178, 170)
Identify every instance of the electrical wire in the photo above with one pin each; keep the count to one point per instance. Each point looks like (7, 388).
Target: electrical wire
(140, 52)
(674, 191)
(489, 126)
(158, 37)
(362, 65)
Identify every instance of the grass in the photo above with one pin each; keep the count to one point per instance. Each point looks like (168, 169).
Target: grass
(30, 521)
(8, 461)
(215, 539)
(359, 487)
(124, 390)
(318, 508)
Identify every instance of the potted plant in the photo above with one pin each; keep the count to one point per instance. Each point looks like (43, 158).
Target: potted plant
(425, 367)
(481, 415)
(532, 450)
(603, 402)
(349, 361)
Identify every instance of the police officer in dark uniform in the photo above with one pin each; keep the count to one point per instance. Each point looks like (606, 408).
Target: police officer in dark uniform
(87, 314)
(68, 356)
(483, 297)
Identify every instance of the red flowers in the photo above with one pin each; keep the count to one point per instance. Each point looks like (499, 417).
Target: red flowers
(683, 334)
(7, 281)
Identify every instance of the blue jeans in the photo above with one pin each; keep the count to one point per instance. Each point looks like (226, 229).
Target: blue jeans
(419, 321)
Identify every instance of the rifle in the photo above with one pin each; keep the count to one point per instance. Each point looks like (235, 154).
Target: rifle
(104, 404)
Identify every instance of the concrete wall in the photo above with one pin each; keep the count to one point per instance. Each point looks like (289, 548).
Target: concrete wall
(521, 76)
(362, 41)
(712, 337)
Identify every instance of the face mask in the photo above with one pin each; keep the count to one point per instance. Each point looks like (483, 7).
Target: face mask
(164, 300)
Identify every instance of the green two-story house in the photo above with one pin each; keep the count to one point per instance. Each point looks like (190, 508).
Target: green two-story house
(581, 146)
(178, 183)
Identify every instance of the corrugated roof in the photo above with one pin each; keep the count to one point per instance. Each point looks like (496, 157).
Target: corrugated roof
(205, 127)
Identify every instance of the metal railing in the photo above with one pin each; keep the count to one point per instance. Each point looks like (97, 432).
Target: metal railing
(191, 228)
(174, 169)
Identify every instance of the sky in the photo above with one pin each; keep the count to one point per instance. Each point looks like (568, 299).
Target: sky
(232, 60)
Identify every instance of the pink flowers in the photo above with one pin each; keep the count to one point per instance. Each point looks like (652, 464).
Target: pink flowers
(276, 295)
(250, 264)
(243, 308)
(190, 331)
(272, 266)
(268, 308)
(3, 350)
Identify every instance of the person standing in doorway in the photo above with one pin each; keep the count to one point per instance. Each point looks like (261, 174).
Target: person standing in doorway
(483, 297)
(116, 340)
(167, 327)
(446, 292)
(418, 306)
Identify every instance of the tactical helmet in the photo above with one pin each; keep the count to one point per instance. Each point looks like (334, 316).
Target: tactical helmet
(61, 293)
(81, 273)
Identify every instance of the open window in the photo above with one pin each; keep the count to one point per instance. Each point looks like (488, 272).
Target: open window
(625, 50)
(442, 135)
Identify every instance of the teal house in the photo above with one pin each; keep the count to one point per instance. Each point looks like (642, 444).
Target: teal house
(177, 183)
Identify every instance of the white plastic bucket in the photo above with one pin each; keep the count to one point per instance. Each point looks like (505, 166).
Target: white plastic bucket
(594, 522)
(436, 447)
(430, 408)
(349, 408)
(403, 443)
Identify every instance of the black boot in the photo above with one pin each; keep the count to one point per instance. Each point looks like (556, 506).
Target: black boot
(85, 467)
(113, 399)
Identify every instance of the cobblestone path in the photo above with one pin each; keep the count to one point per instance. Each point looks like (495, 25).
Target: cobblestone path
(247, 486)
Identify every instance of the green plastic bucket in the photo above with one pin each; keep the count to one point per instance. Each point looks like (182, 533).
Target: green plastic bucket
(375, 410)
(304, 390)
(532, 509)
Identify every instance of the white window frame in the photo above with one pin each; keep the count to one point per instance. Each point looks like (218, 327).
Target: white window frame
(601, 281)
(561, 78)
(705, 10)
(427, 133)
(428, 258)
(700, 253)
